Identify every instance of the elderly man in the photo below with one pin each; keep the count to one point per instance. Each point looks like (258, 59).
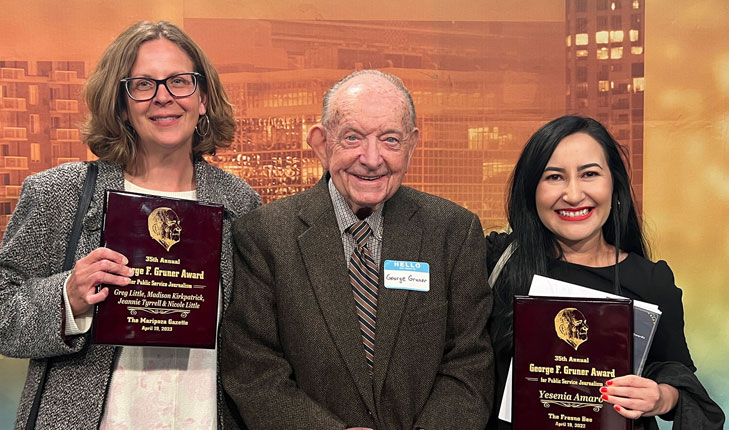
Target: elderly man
(360, 303)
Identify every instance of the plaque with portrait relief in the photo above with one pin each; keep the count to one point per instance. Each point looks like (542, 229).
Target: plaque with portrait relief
(565, 349)
(173, 246)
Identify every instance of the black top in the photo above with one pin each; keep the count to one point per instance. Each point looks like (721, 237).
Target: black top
(640, 279)
(643, 280)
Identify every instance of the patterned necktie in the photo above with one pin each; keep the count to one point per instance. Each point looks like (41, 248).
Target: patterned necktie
(363, 277)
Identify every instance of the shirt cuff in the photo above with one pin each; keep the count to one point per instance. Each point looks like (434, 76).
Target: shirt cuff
(79, 324)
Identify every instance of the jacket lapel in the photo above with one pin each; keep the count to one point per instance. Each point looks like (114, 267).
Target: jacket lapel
(402, 239)
(109, 177)
(208, 192)
(323, 255)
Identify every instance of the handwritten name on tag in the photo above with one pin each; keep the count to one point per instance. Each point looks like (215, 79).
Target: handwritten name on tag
(407, 275)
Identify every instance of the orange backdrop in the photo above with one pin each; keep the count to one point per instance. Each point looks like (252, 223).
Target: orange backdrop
(484, 75)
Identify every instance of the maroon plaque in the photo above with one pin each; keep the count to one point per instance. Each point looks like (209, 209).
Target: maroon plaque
(565, 349)
(173, 245)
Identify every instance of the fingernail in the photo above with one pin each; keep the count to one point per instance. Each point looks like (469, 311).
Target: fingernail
(603, 390)
(609, 383)
(617, 408)
(604, 396)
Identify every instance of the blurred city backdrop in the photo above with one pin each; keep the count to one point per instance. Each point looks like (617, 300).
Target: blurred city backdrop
(484, 75)
(480, 89)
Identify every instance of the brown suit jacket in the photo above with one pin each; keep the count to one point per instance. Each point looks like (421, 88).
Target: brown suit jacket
(292, 355)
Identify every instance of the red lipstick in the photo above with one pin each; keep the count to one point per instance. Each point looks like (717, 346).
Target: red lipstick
(574, 214)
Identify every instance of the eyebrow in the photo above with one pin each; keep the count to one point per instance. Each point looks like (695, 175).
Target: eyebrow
(588, 165)
(580, 168)
(348, 128)
(149, 76)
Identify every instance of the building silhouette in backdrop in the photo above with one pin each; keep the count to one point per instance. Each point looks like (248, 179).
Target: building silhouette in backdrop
(605, 49)
(40, 110)
(480, 90)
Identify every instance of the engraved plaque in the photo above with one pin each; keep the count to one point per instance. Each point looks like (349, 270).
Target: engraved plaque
(565, 349)
(174, 246)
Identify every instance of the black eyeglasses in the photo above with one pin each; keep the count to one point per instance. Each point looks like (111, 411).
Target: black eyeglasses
(179, 85)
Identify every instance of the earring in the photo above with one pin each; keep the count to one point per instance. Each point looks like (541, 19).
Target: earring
(203, 126)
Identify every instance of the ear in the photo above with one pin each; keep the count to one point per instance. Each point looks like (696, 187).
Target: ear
(317, 140)
(203, 103)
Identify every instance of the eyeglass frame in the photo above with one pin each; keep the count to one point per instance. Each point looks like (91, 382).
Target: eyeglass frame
(157, 82)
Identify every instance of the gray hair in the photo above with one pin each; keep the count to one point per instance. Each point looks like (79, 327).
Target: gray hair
(328, 118)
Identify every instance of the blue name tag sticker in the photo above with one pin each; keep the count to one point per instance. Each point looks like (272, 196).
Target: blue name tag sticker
(407, 275)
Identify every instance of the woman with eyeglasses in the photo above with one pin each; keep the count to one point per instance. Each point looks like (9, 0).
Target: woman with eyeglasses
(157, 106)
(571, 209)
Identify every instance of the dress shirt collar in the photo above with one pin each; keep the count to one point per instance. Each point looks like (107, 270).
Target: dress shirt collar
(345, 216)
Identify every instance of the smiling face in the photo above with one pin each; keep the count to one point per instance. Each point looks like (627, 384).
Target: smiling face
(368, 148)
(574, 194)
(164, 123)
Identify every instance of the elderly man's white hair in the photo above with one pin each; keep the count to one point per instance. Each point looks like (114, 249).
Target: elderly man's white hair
(328, 118)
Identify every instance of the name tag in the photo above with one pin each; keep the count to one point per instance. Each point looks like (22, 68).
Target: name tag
(407, 275)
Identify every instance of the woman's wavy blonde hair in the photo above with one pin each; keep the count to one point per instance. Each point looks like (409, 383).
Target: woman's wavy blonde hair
(110, 137)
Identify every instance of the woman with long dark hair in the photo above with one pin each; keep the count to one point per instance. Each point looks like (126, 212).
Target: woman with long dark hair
(572, 216)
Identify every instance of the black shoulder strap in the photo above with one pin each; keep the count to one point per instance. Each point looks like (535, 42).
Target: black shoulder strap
(501, 263)
(83, 206)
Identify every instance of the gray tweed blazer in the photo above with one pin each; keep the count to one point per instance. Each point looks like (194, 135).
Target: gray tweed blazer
(31, 285)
